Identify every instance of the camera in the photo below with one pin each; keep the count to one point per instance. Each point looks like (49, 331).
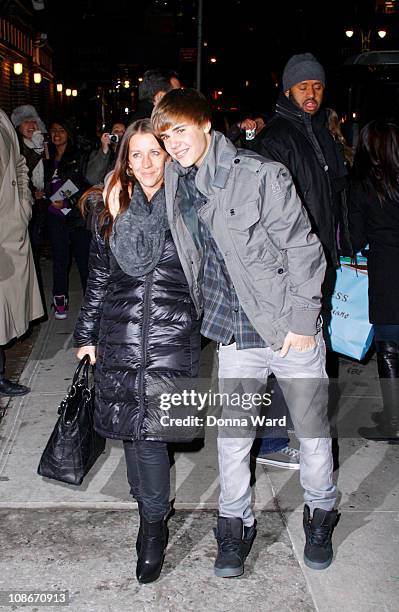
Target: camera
(114, 138)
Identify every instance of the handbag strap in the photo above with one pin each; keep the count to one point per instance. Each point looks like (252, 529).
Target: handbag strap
(82, 372)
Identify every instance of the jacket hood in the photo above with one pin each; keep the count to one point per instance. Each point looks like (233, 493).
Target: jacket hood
(215, 169)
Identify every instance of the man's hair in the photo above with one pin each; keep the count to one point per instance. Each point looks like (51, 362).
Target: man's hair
(180, 105)
(154, 81)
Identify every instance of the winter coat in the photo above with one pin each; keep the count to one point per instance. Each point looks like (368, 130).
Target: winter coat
(72, 166)
(377, 225)
(303, 143)
(251, 208)
(20, 300)
(147, 335)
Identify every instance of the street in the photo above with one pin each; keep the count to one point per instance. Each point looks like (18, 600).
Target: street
(56, 537)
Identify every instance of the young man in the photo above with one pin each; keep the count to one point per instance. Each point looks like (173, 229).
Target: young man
(255, 269)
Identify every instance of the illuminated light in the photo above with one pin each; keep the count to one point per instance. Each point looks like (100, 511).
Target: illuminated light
(213, 60)
(60, 87)
(246, 83)
(37, 77)
(220, 92)
(205, 44)
(126, 84)
(382, 33)
(18, 68)
(354, 115)
(140, 79)
(126, 109)
(68, 92)
(74, 92)
(349, 32)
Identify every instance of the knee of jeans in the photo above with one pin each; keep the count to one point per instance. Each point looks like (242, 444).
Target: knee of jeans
(153, 514)
(315, 447)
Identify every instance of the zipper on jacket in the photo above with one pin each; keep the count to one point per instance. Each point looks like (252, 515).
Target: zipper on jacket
(144, 344)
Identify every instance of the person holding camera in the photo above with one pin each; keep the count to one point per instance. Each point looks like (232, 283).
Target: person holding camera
(103, 160)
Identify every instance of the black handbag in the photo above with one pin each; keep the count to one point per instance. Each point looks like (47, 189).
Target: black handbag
(74, 445)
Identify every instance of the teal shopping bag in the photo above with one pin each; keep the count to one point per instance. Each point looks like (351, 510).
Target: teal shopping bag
(350, 331)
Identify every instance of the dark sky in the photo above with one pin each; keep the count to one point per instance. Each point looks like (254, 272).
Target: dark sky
(252, 39)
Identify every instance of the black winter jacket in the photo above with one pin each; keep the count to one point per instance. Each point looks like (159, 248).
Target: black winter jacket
(147, 335)
(377, 225)
(305, 146)
(71, 166)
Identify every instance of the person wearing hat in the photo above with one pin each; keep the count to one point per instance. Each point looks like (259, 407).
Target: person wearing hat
(298, 136)
(30, 131)
(66, 227)
(20, 301)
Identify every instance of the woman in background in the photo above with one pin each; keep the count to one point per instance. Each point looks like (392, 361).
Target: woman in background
(65, 226)
(374, 220)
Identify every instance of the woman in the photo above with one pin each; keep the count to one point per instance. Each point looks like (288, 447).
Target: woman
(138, 325)
(30, 130)
(65, 226)
(374, 220)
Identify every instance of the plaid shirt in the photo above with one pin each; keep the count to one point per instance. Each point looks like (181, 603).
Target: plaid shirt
(223, 314)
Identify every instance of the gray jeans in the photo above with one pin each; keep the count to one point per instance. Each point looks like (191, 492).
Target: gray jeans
(303, 380)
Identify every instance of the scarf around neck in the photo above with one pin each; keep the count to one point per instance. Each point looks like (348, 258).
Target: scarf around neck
(138, 235)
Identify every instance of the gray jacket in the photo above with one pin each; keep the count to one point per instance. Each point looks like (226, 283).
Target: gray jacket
(251, 207)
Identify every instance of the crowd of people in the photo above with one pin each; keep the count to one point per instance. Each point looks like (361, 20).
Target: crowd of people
(178, 234)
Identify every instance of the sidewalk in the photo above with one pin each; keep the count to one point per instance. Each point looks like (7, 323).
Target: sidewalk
(57, 537)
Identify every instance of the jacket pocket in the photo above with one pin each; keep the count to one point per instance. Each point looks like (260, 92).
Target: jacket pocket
(250, 241)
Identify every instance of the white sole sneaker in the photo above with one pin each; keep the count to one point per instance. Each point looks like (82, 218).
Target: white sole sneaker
(280, 464)
(60, 315)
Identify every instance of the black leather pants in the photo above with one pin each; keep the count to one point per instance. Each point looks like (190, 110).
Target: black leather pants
(388, 371)
(148, 473)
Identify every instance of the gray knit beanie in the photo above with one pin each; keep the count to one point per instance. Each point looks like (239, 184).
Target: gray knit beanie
(302, 67)
(26, 112)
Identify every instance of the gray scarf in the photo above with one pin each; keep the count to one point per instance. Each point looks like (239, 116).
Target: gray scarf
(138, 235)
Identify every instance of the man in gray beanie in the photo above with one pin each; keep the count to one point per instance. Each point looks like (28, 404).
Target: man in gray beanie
(298, 137)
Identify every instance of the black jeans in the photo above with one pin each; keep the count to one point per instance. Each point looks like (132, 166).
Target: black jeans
(148, 473)
(63, 243)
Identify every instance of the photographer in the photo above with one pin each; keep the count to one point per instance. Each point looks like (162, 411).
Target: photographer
(103, 160)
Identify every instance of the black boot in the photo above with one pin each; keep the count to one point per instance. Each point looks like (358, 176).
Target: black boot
(7, 387)
(152, 550)
(318, 552)
(387, 428)
(140, 531)
(230, 559)
(247, 540)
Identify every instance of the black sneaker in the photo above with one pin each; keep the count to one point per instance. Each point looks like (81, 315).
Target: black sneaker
(229, 561)
(318, 552)
(247, 540)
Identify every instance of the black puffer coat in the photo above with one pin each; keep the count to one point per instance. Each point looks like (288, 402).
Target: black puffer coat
(146, 333)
